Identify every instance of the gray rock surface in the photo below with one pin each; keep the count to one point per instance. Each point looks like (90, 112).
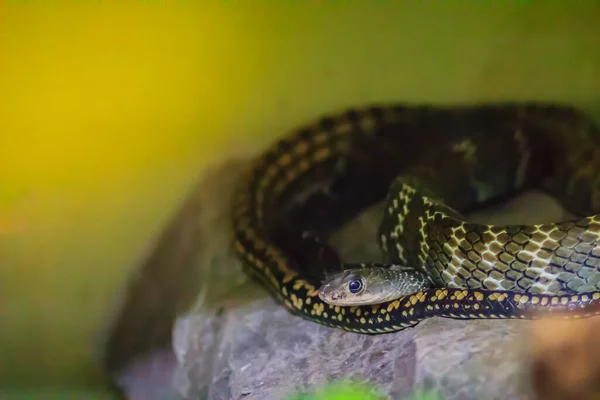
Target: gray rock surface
(235, 342)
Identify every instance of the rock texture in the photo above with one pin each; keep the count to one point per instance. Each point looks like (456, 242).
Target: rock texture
(254, 349)
(235, 342)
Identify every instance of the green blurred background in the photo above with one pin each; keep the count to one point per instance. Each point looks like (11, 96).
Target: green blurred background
(110, 110)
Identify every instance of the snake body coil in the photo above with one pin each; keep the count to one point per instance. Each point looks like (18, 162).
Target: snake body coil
(430, 164)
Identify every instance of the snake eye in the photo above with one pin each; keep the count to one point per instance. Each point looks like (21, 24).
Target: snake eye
(355, 286)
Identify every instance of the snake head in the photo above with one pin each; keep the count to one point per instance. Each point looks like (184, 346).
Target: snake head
(344, 289)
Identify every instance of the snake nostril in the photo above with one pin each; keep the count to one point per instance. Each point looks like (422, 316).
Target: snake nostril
(334, 295)
(325, 292)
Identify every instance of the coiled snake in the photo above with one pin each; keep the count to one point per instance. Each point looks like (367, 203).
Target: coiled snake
(429, 163)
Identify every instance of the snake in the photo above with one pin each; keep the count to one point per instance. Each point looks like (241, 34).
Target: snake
(428, 164)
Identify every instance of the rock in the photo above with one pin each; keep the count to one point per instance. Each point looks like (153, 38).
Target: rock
(150, 377)
(238, 343)
(234, 341)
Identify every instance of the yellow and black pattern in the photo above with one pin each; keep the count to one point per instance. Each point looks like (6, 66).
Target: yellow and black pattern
(561, 258)
(369, 148)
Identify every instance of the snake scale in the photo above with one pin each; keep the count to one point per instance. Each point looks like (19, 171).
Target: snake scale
(429, 164)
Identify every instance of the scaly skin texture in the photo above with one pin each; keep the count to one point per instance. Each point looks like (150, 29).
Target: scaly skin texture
(431, 163)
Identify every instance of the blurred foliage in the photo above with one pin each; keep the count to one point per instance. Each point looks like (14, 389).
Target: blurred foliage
(346, 390)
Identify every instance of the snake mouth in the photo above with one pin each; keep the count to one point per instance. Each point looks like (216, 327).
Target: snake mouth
(328, 294)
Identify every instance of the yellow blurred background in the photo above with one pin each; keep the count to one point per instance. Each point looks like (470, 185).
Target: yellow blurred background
(109, 111)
